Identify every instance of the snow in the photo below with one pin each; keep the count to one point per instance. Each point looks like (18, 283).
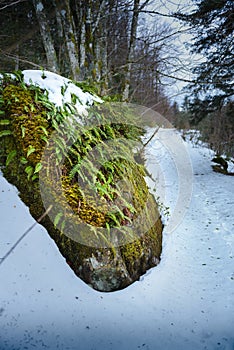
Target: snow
(39, 7)
(55, 84)
(186, 302)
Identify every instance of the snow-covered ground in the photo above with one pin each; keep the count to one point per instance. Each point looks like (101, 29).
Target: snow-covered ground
(186, 302)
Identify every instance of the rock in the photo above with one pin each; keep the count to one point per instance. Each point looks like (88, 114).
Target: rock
(223, 164)
(107, 267)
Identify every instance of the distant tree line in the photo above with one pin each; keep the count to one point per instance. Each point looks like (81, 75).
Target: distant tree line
(113, 46)
(212, 25)
(210, 104)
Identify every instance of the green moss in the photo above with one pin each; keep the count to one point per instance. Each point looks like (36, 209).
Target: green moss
(31, 122)
(82, 206)
(132, 252)
(30, 131)
(148, 242)
(29, 128)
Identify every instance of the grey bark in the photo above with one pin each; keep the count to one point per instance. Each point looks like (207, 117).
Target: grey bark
(46, 36)
(70, 38)
(132, 43)
(100, 30)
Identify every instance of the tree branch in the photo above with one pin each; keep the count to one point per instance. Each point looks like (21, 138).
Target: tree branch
(14, 57)
(101, 8)
(156, 13)
(11, 4)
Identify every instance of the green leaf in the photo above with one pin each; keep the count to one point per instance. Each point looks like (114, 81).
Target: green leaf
(36, 96)
(114, 218)
(38, 167)
(23, 131)
(29, 171)
(59, 158)
(30, 150)
(10, 157)
(4, 121)
(55, 125)
(47, 104)
(108, 228)
(19, 76)
(63, 89)
(23, 160)
(44, 138)
(61, 144)
(32, 108)
(75, 98)
(101, 177)
(70, 108)
(103, 191)
(5, 133)
(35, 177)
(74, 170)
(63, 226)
(44, 130)
(57, 219)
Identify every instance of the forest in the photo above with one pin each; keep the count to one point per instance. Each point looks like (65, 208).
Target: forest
(116, 174)
(106, 44)
(131, 51)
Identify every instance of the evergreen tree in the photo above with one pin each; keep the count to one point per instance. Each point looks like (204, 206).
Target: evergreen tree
(213, 24)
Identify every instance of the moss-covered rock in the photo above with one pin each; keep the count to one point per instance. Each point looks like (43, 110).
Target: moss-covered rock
(26, 123)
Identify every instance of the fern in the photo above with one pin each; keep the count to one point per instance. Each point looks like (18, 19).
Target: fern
(74, 171)
(5, 133)
(113, 217)
(57, 219)
(19, 77)
(23, 160)
(29, 171)
(38, 168)
(23, 131)
(31, 150)
(4, 121)
(44, 130)
(10, 157)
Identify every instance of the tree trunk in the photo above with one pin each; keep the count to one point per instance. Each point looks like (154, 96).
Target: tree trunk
(82, 43)
(100, 39)
(59, 38)
(132, 43)
(89, 49)
(70, 37)
(46, 36)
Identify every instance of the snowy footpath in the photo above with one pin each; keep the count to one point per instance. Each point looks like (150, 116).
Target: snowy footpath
(186, 302)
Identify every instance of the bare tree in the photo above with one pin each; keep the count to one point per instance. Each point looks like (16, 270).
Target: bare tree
(98, 41)
(5, 4)
(46, 36)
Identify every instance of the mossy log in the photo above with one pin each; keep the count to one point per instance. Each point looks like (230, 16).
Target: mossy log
(24, 123)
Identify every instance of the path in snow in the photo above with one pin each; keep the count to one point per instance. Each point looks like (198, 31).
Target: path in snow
(186, 302)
